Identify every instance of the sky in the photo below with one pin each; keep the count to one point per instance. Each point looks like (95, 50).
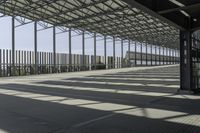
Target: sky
(24, 38)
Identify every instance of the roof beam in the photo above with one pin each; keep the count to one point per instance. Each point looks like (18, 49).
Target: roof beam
(179, 8)
(171, 14)
(145, 8)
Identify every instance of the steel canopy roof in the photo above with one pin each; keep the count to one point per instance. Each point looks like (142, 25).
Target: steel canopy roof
(183, 14)
(107, 17)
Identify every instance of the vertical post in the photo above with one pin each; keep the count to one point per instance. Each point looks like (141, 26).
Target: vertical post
(151, 55)
(163, 54)
(13, 46)
(169, 56)
(175, 56)
(113, 52)
(179, 56)
(159, 55)
(4, 63)
(135, 53)
(175, 52)
(122, 53)
(105, 52)
(70, 49)
(0, 63)
(54, 48)
(166, 56)
(155, 55)
(30, 60)
(172, 56)
(7, 73)
(83, 51)
(129, 53)
(19, 62)
(186, 60)
(141, 54)
(172, 51)
(95, 51)
(170, 59)
(146, 54)
(35, 47)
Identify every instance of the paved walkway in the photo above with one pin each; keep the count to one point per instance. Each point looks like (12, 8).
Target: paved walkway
(133, 100)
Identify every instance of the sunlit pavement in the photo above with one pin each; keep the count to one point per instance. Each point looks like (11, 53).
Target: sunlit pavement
(133, 100)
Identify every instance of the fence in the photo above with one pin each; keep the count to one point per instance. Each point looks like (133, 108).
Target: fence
(151, 59)
(27, 64)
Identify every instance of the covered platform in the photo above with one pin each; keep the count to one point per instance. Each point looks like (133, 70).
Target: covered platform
(106, 101)
(142, 83)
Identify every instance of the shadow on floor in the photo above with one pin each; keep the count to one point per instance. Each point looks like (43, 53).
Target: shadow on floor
(66, 107)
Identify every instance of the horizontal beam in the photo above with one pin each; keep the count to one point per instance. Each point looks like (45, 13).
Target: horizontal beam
(180, 8)
(135, 3)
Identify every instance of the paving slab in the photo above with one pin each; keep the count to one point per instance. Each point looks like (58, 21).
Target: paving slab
(139, 100)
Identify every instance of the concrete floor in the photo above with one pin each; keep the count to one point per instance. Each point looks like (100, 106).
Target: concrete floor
(133, 100)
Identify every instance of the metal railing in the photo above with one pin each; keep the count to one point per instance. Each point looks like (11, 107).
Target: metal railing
(29, 63)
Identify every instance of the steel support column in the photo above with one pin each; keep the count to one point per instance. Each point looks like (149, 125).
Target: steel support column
(186, 60)
(146, 54)
(35, 47)
(54, 49)
(95, 51)
(114, 52)
(176, 56)
(83, 67)
(169, 60)
(105, 52)
(163, 54)
(167, 56)
(122, 53)
(151, 55)
(13, 47)
(155, 55)
(70, 49)
(135, 53)
(159, 55)
(170, 57)
(171, 53)
(129, 52)
(141, 54)
(179, 56)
